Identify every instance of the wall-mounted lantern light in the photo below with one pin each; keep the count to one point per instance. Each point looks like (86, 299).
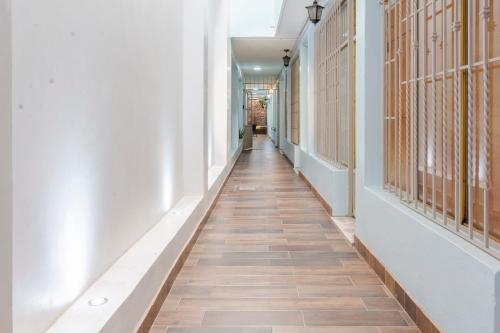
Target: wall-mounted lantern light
(286, 58)
(315, 12)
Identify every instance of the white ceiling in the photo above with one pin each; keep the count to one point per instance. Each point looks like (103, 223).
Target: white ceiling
(253, 45)
(294, 16)
(266, 53)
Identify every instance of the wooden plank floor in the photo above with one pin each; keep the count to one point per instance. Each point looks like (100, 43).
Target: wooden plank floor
(270, 260)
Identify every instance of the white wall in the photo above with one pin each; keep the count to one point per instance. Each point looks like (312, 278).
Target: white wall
(281, 112)
(5, 169)
(276, 114)
(288, 81)
(97, 142)
(285, 146)
(134, 280)
(331, 182)
(219, 80)
(108, 134)
(236, 105)
(304, 93)
(194, 92)
(311, 94)
(210, 80)
(456, 284)
(271, 117)
(285, 122)
(243, 114)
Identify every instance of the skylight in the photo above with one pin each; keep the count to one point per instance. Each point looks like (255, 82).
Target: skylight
(256, 18)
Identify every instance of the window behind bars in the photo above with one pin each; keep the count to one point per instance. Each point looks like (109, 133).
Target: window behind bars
(442, 113)
(334, 117)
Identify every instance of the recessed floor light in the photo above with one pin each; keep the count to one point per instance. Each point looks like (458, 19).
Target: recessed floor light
(98, 301)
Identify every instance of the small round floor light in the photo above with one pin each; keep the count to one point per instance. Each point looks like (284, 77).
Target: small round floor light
(98, 301)
(175, 213)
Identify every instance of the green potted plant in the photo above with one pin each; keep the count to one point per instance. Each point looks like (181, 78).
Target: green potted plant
(263, 102)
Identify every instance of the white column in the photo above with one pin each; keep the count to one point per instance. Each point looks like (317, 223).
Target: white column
(5, 169)
(289, 103)
(369, 82)
(194, 98)
(282, 123)
(220, 80)
(311, 94)
(304, 93)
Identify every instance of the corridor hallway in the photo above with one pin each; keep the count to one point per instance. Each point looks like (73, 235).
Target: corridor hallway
(269, 259)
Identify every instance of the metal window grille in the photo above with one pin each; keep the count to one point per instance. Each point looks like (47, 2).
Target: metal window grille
(442, 113)
(334, 117)
(295, 95)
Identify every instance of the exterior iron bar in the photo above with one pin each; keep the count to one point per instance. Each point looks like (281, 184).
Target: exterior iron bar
(390, 107)
(400, 101)
(384, 79)
(407, 97)
(486, 123)
(424, 116)
(464, 130)
(444, 160)
(458, 79)
(434, 107)
(470, 118)
(415, 102)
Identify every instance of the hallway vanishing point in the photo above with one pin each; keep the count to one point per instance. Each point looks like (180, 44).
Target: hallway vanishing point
(269, 259)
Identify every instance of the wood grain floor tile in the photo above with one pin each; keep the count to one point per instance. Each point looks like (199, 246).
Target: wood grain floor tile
(179, 318)
(327, 329)
(382, 303)
(238, 329)
(353, 318)
(335, 291)
(235, 262)
(234, 291)
(256, 255)
(313, 248)
(399, 329)
(270, 260)
(366, 279)
(253, 318)
(158, 329)
(271, 304)
(262, 280)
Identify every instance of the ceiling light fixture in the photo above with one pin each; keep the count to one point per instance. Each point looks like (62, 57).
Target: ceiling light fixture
(286, 58)
(315, 12)
(98, 301)
(257, 68)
